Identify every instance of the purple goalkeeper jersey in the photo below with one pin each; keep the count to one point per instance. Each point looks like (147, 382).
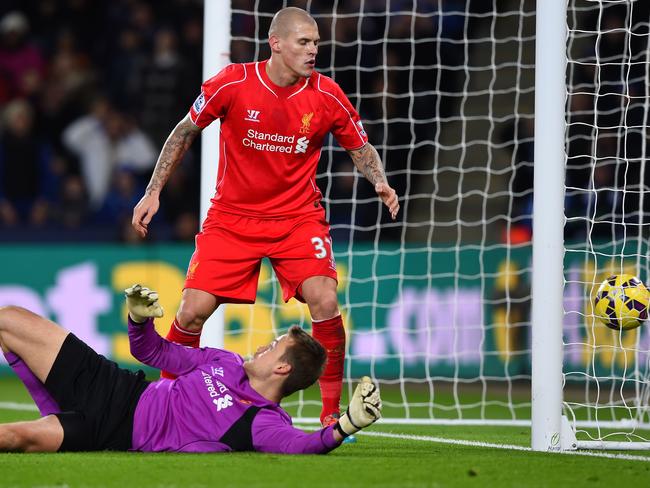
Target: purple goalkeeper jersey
(211, 406)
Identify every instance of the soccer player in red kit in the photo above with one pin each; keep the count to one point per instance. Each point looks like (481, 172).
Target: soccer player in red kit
(274, 115)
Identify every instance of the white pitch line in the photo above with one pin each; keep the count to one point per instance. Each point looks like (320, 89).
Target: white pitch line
(513, 447)
(445, 440)
(461, 442)
(27, 407)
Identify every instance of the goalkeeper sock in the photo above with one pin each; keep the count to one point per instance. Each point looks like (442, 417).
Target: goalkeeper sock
(183, 336)
(331, 334)
(42, 398)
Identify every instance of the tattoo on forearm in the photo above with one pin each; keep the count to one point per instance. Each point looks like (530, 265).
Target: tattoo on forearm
(367, 161)
(172, 153)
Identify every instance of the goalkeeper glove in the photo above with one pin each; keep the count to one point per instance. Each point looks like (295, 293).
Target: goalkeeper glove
(142, 303)
(364, 408)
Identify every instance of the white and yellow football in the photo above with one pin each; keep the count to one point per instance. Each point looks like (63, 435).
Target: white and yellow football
(622, 302)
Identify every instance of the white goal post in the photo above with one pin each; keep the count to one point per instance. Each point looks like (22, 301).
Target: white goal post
(216, 55)
(592, 119)
(548, 229)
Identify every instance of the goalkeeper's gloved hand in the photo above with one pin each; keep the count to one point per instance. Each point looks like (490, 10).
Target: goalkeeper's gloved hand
(142, 303)
(363, 410)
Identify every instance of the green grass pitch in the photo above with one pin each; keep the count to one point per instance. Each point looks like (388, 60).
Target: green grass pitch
(374, 461)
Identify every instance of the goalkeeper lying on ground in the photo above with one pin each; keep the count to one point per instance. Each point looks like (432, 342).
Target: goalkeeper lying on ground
(219, 402)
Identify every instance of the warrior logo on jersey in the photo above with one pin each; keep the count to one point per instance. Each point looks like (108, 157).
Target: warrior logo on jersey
(306, 121)
(199, 102)
(252, 115)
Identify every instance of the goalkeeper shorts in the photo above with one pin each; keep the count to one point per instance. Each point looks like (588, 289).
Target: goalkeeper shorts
(97, 398)
(230, 248)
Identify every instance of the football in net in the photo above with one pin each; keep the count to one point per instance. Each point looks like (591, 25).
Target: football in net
(621, 302)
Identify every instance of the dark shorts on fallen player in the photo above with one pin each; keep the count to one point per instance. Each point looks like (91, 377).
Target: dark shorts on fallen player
(97, 398)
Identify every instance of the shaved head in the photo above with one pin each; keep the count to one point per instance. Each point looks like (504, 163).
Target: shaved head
(286, 19)
(293, 39)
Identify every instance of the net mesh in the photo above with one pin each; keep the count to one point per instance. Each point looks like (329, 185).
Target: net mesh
(437, 303)
(606, 372)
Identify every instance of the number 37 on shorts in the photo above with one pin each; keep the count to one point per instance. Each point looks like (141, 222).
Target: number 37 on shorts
(323, 249)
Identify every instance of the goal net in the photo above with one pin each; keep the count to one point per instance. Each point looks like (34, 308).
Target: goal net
(606, 372)
(437, 304)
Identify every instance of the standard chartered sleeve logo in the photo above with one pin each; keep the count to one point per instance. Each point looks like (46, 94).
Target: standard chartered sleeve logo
(301, 145)
(222, 402)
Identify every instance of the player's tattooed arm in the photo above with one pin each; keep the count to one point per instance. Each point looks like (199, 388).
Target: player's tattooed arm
(175, 147)
(367, 160)
(171, 155)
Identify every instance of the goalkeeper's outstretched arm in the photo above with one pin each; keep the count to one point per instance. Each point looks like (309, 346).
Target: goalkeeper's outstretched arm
(151, 349)
(272, 433)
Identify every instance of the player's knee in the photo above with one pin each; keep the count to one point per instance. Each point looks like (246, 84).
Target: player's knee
(326, 306)
(190, 318)
(10, 315)
(8, 310)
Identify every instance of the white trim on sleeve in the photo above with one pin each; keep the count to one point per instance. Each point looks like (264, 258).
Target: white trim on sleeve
(198, 114)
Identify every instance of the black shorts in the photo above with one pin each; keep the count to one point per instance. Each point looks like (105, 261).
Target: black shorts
(97, 398)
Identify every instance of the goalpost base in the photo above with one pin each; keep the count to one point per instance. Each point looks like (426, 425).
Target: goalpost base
(613, 446)
(568, 442)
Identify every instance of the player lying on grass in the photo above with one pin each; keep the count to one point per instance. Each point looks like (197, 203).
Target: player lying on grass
(219, 402)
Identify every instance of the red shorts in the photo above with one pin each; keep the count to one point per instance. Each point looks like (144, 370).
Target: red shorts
(230, 248)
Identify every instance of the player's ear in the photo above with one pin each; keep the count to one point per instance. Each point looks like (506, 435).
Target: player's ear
(274, 42)
(282, 368)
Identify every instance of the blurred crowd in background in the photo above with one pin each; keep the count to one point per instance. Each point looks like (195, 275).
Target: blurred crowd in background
(607, 124)
(89, 92)
(606, 132)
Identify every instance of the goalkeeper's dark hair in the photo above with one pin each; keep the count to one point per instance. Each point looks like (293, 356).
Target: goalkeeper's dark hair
(307, 359)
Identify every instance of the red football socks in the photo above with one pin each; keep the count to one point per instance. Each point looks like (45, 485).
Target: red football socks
(331, 334)
(183, 336)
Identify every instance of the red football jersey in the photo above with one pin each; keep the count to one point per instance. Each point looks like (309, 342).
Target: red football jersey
(271, 138)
